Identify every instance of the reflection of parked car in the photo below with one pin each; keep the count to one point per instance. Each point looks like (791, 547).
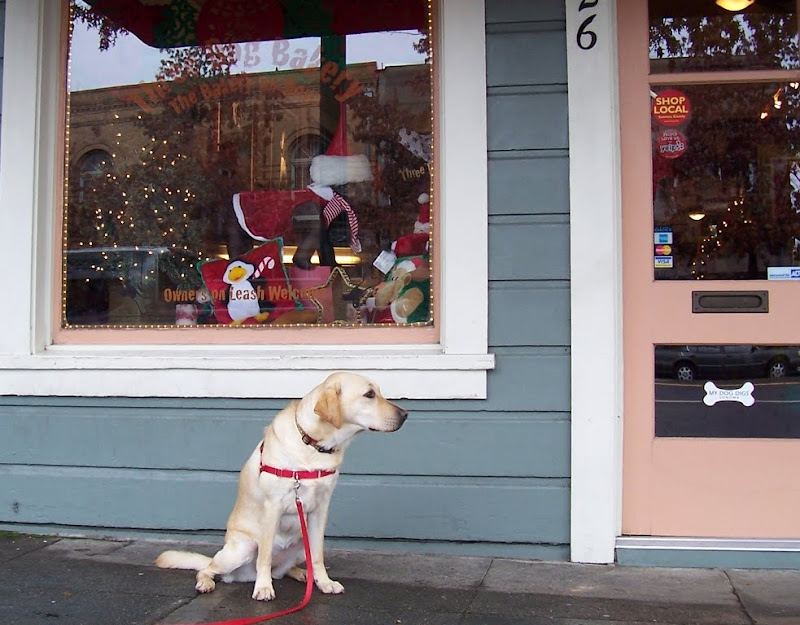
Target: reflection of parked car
(126, 285)
(691, 362)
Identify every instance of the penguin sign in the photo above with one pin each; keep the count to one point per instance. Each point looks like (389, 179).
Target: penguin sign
(250, 289)
(244, 299)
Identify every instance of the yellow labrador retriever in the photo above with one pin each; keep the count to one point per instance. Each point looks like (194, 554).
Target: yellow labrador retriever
(306, 441)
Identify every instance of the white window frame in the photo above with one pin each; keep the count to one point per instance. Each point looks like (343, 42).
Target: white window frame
(30, 151)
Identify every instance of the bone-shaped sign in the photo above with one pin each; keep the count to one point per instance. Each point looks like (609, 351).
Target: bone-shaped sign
(743, 395)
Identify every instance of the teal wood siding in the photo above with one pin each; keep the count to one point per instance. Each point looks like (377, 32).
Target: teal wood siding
(482, 477)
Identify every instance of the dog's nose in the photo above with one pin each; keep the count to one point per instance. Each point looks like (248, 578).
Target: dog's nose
(402, 415)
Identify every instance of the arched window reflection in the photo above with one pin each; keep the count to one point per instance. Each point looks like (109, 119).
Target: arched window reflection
(302, 151)
(91, 166)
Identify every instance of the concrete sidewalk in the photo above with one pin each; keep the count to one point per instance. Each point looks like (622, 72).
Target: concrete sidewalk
(100, 582)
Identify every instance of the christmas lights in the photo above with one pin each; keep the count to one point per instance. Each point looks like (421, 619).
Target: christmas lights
(147, 214)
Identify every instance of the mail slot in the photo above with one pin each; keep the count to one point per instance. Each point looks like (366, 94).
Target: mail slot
(730, 301)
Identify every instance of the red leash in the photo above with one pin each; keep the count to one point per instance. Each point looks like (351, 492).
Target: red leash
(309, 580)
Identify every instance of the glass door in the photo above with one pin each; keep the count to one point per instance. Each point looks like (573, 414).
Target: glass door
(710, 103)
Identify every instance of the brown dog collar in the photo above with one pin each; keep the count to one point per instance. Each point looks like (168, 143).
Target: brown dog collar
(311, 442)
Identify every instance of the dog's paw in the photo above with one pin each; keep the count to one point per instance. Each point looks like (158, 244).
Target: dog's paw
(264, 593)
(204, 584)
(297, 573)
(330, 587)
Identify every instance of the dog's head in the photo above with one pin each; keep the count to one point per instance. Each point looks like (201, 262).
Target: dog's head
(351, 398)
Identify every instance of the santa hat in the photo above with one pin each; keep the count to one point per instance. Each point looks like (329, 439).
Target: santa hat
(412, 244)
(409, 265)
(336, 166)
(423, 221)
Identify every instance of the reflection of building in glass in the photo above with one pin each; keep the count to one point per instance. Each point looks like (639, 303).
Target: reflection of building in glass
(92, 165)
(158, 164)
(280, 110)
(304, 148)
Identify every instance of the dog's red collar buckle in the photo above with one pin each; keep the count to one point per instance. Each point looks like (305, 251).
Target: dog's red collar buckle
(297, 475)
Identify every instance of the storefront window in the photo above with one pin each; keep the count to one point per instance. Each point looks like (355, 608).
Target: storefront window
(726, 180)
(703, 35)
(248, 164)
(725, 146)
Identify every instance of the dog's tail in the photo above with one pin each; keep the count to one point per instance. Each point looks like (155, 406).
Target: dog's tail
(183, 560)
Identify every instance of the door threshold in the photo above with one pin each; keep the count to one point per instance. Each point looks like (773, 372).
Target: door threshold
(738, 553)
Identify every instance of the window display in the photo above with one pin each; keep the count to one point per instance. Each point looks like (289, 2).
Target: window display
(248, 164)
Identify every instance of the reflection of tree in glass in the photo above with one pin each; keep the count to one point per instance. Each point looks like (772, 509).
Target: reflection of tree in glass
(423, 46)
(174, 189)
(379, 117)
(197, 62)
(106, 29)
(703, 36)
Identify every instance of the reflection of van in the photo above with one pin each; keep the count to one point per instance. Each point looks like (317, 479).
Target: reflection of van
(122, 285)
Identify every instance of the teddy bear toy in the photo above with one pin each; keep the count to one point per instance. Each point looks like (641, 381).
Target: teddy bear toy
(405, 294)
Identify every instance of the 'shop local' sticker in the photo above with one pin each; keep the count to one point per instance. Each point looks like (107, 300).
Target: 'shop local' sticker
(671, 107)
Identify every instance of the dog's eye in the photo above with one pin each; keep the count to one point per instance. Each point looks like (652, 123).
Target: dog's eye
(370, 393)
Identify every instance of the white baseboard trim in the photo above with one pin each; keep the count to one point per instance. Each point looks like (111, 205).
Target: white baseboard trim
(745, 553)
(707, 544)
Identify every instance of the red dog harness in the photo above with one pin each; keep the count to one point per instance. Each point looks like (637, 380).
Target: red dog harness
(297, 476)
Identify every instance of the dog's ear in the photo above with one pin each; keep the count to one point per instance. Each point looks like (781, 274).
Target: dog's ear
(329, 406)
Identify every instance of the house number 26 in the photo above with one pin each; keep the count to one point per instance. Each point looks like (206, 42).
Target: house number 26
(586, 38)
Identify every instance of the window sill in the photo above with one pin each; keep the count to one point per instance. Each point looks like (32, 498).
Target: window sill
(258, 372)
